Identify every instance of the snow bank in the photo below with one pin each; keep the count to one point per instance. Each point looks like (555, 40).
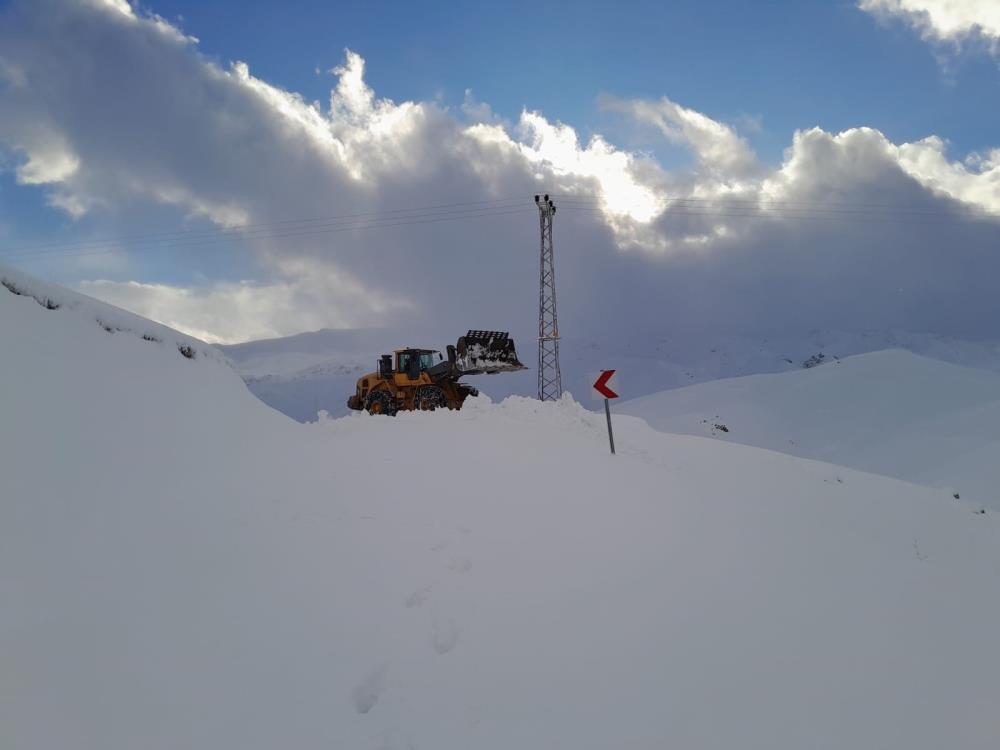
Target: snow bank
(109, 318)
(891, 412)
(299, 375)
(181, 566)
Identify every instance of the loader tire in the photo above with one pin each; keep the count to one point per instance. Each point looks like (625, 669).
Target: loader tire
(380, 402)
(429, 398)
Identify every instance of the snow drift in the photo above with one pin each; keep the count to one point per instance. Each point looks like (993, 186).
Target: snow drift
(300, 375)
(891, 412)
(182, 566)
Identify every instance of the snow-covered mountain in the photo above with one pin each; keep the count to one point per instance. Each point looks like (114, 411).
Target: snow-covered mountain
(300, 375)
(891, 412)
(181, 566)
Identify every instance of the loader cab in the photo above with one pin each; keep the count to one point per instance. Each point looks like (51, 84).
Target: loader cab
(412, 362)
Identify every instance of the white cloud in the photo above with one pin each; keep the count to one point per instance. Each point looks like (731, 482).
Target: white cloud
(477, 111)
(719, 150)
(120, 6)
(556, 148)
(953, 21)
(46, 165)
(151, 122)
(975, 183)
(229, 312)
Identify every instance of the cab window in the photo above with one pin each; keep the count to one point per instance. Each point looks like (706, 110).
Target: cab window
(426, 361)
(403, 363)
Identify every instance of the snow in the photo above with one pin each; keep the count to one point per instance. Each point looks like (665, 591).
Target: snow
(890, 412)
(312, 372)
(182, 566)
(112, 320)
(299, 375)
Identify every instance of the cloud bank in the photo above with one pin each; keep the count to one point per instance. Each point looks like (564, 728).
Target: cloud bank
(849, 230)
(944, 21)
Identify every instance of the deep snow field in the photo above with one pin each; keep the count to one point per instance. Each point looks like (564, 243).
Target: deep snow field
(183, 567)
(300, 375)
(889, 412)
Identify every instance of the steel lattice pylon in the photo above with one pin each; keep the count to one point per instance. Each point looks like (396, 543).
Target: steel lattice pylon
(549, 378)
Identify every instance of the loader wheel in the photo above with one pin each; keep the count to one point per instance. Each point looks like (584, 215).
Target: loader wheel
(429, 398)
(380, 402)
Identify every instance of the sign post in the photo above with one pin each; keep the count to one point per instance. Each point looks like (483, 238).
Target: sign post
(602, 387)
(611, 435)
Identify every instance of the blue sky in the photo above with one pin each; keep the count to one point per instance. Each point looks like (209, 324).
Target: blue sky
(718, 162)
(789, 64)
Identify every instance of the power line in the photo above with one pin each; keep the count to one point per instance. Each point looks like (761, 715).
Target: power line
(768, 202)
(250, 229)
(811, 215)
(97, 248)
(673, 206)
(727, 206)
(723, 204)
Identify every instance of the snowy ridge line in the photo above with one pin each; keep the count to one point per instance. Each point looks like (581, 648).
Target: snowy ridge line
(285, 374)
(635, 436)
(13, 288)
(893, 413)
(325, 368)
(112, 319)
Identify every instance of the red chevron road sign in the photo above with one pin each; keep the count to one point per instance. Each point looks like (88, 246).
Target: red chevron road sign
(602, 387)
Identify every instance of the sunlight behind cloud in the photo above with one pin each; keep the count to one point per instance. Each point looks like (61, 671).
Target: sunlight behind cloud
(557, 147)
(231, 312)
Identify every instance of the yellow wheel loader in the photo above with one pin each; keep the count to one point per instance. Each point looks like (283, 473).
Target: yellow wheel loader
(423, 379)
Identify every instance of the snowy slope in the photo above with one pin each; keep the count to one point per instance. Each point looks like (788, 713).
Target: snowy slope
(181, 566)
(891, 412)
(299, 375)
(112, 320)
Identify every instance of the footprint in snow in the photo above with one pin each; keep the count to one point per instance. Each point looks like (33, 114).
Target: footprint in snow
(367, 692)
(460, 566)
(418, 597)
(444, 638)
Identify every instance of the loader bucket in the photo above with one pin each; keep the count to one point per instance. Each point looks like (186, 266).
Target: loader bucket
(486, 352)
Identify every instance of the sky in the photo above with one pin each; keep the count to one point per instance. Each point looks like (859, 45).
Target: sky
(247, 170)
